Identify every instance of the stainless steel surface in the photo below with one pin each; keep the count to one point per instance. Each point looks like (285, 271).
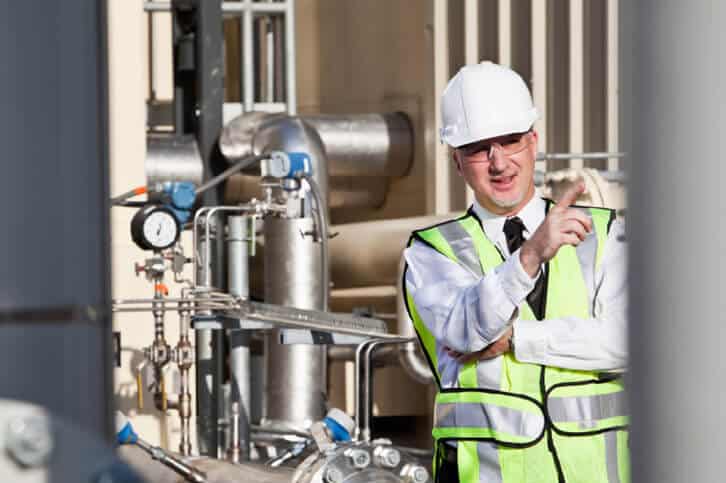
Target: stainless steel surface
(367, 145)
(296, 374)
(216, 471)
(292, 134)
(379, 145)
(592, 155)
(367, 254)
(364, 384)
(362, 462)
(290, 59)
(672, 82)
(172, 158)
(238, 237)
(410, 354)
(248, 60)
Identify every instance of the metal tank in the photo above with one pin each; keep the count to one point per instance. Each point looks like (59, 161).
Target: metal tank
(296, 374)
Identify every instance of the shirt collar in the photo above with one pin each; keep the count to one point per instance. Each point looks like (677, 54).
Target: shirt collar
(531, 215)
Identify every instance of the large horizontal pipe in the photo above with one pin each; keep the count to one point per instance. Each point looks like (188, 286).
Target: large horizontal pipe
(172, 158)
(367, 254)
(371, 145)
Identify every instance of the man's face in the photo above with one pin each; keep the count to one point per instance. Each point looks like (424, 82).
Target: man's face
(500, 170)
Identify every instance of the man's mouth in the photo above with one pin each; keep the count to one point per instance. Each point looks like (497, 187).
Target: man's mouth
(502, 183)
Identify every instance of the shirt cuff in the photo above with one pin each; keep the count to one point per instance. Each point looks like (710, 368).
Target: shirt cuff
(515, 281)
(530, 340)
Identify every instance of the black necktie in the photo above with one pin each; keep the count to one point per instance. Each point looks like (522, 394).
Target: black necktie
(514, 232)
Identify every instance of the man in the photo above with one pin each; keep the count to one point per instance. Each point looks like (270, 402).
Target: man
(520, 307)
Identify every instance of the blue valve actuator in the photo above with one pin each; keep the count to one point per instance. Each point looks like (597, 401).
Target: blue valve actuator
(182, 195)
(287, 165)
(125, 433)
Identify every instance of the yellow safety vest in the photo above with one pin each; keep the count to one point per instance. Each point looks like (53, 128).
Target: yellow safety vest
(517, 422)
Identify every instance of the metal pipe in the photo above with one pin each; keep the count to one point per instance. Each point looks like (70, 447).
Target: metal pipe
(270, 61)
(367, 254)
(248, 57)
(239, 341)
(291, 58)
(172, 157)
(409, 354)
(364, 384)
(359, 145)
(185, 360)
(590, 155)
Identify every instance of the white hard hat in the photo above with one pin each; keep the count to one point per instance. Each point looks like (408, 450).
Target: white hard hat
(484, 101)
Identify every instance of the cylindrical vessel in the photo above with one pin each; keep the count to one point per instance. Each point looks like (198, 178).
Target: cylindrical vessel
(296, 374)
(239, 340)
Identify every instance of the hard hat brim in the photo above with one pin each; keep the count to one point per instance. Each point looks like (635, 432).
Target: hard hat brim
(456, 140)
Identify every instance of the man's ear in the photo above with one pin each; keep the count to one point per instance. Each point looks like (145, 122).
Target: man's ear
(456, 156)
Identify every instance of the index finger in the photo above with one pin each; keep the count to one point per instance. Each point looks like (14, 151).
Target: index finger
(571, 195)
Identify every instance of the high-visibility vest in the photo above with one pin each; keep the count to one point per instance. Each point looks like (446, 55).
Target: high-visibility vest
(515, 422)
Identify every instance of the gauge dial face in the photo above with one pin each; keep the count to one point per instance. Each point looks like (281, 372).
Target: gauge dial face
(160, 229)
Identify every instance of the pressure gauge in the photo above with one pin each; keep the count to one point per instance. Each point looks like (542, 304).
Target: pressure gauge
(154, 228)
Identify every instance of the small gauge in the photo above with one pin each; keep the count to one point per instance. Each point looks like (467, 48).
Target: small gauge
(154, 228)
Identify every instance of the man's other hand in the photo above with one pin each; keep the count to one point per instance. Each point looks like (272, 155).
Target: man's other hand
(562, 226)
(495, 349)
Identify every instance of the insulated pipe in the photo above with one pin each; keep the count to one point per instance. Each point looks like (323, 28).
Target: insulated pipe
(369, 145)
(672, 99)
(367, 254)
(172, 158)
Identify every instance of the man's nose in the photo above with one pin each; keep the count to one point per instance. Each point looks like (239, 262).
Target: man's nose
(497, 160)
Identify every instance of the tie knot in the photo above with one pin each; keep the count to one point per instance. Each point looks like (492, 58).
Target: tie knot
(514, 231)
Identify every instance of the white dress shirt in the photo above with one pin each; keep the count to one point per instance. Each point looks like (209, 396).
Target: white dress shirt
(467, 312)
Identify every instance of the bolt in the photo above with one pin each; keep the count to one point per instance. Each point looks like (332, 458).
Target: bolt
(386, 457)
(333, 475)
(29, 440)
(414, 474)
(359, 458)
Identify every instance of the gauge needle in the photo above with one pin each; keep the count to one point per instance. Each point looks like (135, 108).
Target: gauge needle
(158, 232)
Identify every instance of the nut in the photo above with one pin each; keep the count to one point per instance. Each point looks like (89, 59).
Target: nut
(29, 440)
(414, 474)
(333, 475)
(359, 458)
(386, 456)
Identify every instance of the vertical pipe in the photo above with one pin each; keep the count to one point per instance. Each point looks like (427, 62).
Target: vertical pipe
(248, 57)
(577, 80)
(290, 55)
(471, 53)
(672, 101)
(206, 405)
(505, 32)
(441, 162)
(539, 73)
(613, 164)
(239, 341)
(270, 61)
